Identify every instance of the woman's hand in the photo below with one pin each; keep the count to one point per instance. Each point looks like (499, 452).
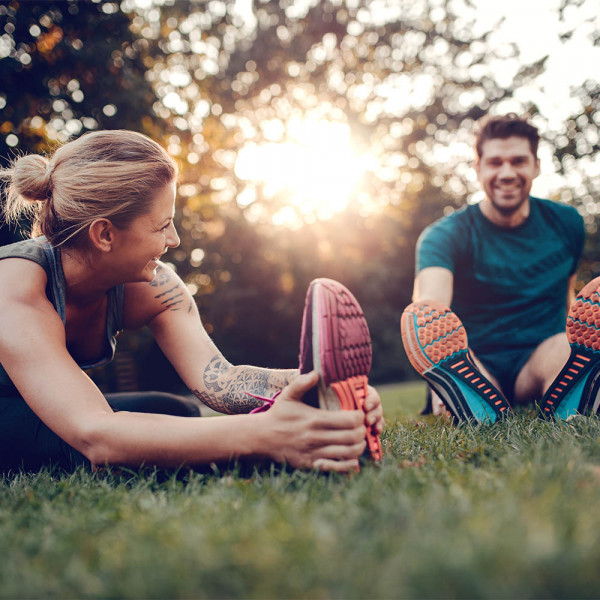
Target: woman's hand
(374, 411)
(311, 438)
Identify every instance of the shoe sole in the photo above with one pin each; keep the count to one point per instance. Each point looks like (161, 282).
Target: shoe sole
(575, 389)
(436, 344)
(339, 349)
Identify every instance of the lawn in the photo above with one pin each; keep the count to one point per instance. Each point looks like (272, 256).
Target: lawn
(506, 511)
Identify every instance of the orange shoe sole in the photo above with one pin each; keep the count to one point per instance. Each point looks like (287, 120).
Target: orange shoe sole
(436, 344)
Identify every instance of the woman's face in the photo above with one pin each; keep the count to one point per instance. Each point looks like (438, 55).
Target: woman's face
(149, 236)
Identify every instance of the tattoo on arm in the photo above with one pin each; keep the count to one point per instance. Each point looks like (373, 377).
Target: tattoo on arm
(169, 298)
(226, 387)
(172, 300)
(162, 277)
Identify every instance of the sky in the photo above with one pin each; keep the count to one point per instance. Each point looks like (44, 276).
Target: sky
(535, 27)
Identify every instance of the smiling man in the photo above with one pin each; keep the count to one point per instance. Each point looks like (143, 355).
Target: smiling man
(506, 267)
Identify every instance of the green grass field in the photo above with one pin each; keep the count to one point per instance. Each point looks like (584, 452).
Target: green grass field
(506, 511)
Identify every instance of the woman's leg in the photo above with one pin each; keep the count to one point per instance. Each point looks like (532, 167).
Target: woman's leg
(154, 402)
(26, 443)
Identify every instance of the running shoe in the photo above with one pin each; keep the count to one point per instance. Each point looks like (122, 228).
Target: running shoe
(436, 345)
(335, 342)
(576, 388)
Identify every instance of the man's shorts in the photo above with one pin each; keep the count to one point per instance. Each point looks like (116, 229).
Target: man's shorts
(505, 366)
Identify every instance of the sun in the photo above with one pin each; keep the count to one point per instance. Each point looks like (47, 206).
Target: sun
(317, 168)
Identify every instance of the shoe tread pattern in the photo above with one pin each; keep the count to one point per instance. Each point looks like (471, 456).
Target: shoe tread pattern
(583, 333)
(436, 344)
(346, 347)
(439, 333)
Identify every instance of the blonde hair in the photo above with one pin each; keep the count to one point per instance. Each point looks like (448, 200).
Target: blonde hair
(104, 174)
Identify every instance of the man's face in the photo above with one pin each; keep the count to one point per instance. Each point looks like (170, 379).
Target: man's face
(506, 170)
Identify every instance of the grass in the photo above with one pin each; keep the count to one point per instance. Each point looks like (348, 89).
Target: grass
(506, 511)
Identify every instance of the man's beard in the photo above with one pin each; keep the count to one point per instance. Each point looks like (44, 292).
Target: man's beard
(508, 210)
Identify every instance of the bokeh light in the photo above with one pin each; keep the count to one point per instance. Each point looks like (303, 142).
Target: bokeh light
(317, 168)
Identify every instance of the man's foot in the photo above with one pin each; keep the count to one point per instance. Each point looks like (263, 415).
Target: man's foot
(576, 388)
(436, 345)
(335, 342)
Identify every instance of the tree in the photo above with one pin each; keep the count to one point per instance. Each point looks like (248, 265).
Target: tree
(215, 85)
(407, 87)
(67, 68)
(576, 141)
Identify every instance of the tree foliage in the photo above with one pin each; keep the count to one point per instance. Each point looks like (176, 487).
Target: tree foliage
(67, 68)
(405, 80)
(408, 88)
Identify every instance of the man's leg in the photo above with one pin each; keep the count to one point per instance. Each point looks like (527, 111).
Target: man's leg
(541, 368)
(439, 408)
(576, 389)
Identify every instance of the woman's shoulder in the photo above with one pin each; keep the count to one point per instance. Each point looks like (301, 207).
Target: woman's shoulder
(23, 269)
(32, 250)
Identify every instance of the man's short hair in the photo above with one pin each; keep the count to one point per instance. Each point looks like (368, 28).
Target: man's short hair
(503, 127)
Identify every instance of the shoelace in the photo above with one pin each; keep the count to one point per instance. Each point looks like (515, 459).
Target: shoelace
(268, 402)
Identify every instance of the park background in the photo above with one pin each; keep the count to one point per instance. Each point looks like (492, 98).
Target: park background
(315, 139)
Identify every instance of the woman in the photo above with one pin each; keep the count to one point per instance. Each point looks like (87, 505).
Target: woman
(104, 207)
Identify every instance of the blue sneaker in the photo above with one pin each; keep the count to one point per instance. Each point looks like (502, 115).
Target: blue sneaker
(436, 345)
(575, 391)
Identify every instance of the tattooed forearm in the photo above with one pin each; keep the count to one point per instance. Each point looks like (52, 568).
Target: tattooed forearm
(227, 387)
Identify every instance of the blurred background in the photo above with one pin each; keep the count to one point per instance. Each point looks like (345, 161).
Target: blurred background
(315, 139)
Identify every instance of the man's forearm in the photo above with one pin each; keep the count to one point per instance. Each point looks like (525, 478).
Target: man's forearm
(227, 387)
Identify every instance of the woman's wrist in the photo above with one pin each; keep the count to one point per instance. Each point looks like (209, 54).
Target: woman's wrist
(259, 436)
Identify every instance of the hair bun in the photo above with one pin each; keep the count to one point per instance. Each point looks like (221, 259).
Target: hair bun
(32, 177)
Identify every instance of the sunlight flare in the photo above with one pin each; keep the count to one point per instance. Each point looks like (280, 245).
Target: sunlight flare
(316, 167)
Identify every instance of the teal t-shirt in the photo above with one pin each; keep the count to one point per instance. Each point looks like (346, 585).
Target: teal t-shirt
(510, 284)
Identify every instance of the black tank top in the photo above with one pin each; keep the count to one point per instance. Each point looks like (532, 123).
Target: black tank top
(41, 252)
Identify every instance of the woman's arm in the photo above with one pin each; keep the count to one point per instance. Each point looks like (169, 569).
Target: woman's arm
(227, 388)
(168, 308)
(33, 352)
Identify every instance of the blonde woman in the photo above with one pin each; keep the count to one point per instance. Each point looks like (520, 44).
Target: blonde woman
(103, 209)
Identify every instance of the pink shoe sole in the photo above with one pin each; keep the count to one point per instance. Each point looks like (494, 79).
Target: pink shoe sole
(335, 342)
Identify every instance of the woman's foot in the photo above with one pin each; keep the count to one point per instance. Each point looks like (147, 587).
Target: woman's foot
(335, 342)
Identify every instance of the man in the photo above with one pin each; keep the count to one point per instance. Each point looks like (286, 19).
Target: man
(507, 268)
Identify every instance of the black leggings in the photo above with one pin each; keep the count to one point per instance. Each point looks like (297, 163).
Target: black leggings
(25, 442)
